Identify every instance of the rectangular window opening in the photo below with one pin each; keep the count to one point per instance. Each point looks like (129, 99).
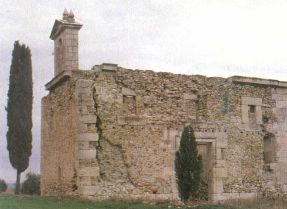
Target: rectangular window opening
(251, 108)
(129, 103)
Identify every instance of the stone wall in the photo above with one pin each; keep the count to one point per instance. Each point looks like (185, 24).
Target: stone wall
(127, 126)
(58, 148)
(66, 49)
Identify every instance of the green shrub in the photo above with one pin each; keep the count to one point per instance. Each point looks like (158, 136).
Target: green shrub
(31, 185)
(188, 166)
(3, 186)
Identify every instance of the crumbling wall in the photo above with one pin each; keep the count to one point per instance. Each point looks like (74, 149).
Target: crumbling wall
(128, 125)
(136, 108)
(249, 105)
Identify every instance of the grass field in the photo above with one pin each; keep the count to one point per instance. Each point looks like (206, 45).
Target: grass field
(8, 201)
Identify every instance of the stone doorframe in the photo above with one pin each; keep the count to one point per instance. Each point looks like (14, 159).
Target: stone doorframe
(216, 138)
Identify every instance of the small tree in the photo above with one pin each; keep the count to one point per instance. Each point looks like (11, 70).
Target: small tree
(188, 165)
(31, 185)
(3, 186)
(19, 110)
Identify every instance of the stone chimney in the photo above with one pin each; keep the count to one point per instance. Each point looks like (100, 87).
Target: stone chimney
(66, 43)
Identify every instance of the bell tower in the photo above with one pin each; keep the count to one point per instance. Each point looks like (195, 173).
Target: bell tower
(65, 34)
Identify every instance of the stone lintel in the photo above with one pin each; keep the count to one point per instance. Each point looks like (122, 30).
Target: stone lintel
(205, 135)
(63, 76)
(128, 92)
(251, 101)
(257, 81)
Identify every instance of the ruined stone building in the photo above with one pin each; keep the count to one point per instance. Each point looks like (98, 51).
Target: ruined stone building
(113, 132)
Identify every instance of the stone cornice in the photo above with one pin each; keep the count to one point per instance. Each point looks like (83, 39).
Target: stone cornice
(257, 81)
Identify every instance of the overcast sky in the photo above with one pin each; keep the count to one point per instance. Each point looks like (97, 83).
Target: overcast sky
(208, 37)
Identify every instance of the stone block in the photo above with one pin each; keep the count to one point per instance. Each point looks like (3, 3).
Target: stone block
(258, 115)
(204, 135)
(83, 110)
(84, 145)
(109, 67)
(132, 120)
(89, 171)
(87, 190)
(82, 128)
(88, 118)
(250, 195)
(128, 92)
(244, 113)
(85, 100)
(167, 171)
(251, 101)
(221, 142)
(281, 141)
(273, 166)
(87, 154)
(282, 155)
(280, 114)
(284, 188)
(215, 186)
(281, 104)
(190, 96)
(233, 195)
(281, 91)
(215, 198)
(219, 173)
(88, 137)
(84, 181)
(220, 163)
(279, 97)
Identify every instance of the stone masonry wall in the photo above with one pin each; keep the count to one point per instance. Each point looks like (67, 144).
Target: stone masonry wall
(58, 148)
(128, 125)
(66, 51)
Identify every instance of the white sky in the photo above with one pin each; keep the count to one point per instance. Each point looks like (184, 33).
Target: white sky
(208, 37)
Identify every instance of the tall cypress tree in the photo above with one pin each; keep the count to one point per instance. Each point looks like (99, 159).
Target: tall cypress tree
(19, 110)
(188, 165)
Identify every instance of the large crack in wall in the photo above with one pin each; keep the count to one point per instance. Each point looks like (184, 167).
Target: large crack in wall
(109, 156)
(118, 123)
(110, 159)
